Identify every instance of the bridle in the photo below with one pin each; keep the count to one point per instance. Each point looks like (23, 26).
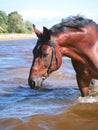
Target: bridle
(51, 43)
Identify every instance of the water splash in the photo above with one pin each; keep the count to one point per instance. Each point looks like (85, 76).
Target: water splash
(88, 99)
(93, 93)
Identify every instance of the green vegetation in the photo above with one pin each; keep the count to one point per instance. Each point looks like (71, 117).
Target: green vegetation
(13, 23)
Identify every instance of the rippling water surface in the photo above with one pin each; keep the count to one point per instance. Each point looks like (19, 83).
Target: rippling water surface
(53, 107)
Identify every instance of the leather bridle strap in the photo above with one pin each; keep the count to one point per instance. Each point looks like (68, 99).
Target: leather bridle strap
(52, 44)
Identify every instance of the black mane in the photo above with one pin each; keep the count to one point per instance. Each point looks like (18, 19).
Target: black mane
(75, 22)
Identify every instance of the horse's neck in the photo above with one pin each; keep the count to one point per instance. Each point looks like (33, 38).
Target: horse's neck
(76, 45)
(69, 38)
(80, 47)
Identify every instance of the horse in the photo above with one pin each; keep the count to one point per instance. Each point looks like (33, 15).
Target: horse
(75, 37)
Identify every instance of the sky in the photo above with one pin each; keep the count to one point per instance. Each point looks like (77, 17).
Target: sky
(49, 12)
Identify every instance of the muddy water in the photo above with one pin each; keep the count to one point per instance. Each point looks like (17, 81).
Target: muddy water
(56, 106)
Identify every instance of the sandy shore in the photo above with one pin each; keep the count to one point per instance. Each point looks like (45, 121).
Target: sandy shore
(4, 37)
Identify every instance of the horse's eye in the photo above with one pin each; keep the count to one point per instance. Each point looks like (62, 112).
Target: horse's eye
(45, 54)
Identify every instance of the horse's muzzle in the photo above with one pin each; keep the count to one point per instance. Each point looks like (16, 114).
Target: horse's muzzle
(35, 84)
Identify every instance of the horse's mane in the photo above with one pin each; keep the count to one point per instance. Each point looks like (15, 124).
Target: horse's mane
(75, 22)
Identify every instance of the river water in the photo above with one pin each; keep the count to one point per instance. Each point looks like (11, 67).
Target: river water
(56, 106)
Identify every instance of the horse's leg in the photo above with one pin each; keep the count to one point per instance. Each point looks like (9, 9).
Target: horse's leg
(83, 77)
(83, 85)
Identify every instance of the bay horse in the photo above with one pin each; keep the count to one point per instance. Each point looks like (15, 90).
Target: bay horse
(75, 37)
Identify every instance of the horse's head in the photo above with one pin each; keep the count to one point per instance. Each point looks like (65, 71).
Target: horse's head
(46, 58)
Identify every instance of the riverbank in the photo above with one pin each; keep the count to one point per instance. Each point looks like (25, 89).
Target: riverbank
(5, 37)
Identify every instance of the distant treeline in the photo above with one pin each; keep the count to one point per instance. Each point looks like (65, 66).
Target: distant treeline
(14, 23)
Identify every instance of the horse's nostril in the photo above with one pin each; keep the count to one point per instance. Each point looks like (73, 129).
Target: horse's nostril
(32, 84)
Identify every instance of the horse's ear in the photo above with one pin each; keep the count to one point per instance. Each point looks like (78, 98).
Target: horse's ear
(46, 33)
(37, 32)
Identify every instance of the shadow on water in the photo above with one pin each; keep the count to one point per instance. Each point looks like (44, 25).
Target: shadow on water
(53, 107)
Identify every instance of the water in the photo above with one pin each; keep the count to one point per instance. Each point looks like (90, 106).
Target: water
(56, 106)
